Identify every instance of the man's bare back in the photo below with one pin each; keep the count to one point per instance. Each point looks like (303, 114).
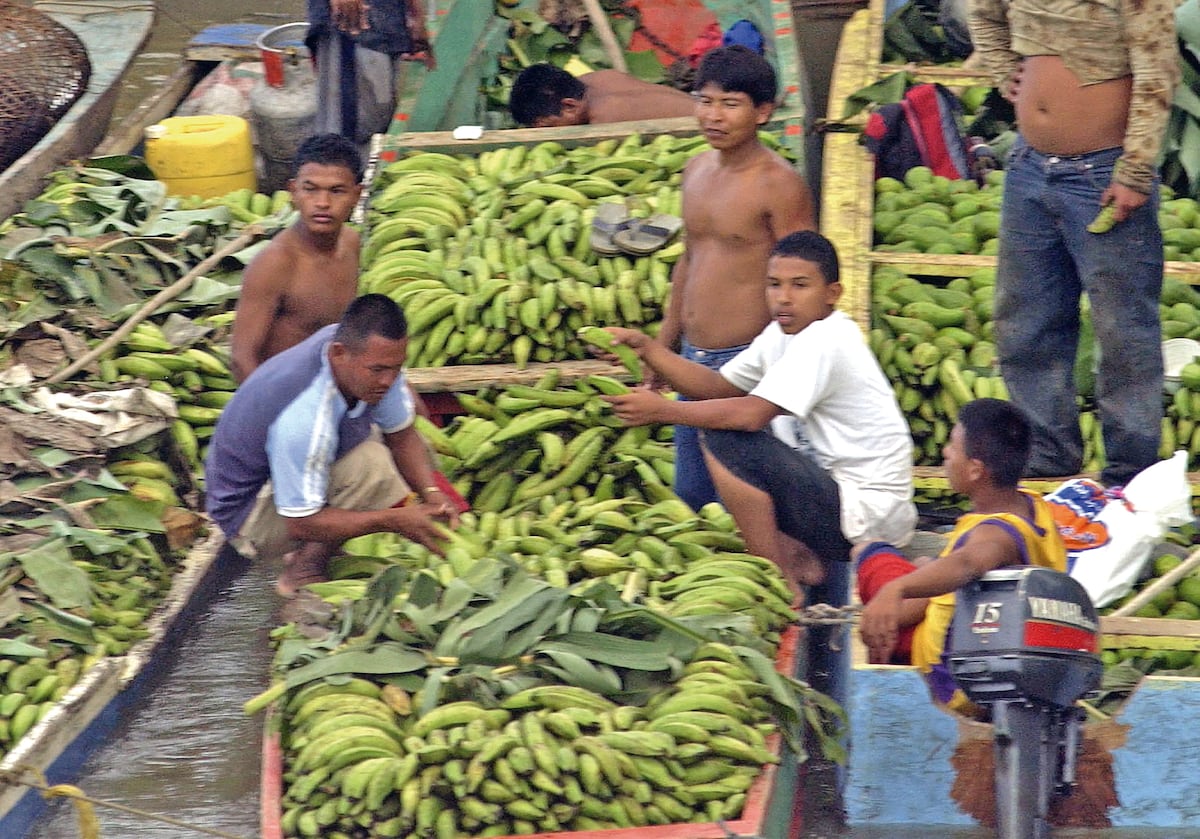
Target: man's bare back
(613, 96)
(1059, 115)
(735, 209)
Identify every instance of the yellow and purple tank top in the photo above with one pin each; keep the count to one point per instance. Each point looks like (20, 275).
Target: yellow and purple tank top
(1038, 543)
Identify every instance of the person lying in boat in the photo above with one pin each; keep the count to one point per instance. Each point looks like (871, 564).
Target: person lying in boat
(909, 604)
(801, 430)
(545, 96)
(294, 468)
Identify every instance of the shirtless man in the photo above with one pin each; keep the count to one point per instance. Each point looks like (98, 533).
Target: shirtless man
(1092, 90)
(545, 96)
(739, 199)
(307, 275)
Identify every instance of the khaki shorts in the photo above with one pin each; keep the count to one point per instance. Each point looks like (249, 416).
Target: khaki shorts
(365, 478)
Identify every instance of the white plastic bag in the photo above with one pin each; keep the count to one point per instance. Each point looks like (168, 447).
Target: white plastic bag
(1110, 536)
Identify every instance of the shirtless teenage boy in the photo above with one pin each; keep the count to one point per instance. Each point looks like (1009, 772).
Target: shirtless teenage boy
(545, 96)
(1092, 85)
(739, 199)
(307, 275)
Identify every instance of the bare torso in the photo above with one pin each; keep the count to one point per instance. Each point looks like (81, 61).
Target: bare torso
(290, 291)
(731, 229)
(613, 96)
(1057, 115)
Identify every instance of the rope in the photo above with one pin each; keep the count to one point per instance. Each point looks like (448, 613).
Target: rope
(89, 825)
(822, 614)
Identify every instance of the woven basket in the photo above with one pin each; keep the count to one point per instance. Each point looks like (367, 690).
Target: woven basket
(44, 68)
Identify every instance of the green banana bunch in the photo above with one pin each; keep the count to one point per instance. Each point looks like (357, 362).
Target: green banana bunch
(490, 256)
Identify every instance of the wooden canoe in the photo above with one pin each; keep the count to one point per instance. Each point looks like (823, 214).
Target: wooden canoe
(112, 32)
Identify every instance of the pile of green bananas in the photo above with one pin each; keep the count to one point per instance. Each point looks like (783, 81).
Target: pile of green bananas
(930, 213)
(525, 442)
(197, 378)
(362, 762)
(933, 342)
(31, 688)
(933, 338)
(680, 562)
(245, 205)
(82, 597)
(549, 758)
(490, 255)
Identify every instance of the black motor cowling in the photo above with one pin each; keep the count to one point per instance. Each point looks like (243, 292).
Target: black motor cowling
(1025, 634)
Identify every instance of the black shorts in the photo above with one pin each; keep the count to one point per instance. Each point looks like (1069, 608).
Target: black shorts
(807, 501)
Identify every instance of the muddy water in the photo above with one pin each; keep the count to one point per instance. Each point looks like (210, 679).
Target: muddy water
(184, 749)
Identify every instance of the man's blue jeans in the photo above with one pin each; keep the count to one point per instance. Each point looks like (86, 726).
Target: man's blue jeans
(692, 481)
(1046, 260)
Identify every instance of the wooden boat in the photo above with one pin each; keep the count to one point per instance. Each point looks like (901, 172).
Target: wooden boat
(469, 37)
(113, 32)
(60, 743)
(772, 809)
(906, 756)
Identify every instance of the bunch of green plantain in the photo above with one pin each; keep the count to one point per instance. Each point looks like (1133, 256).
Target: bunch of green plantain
(548, 758)
(29, 689)
(680, 562)
(934, 344)
(197, 378)
(244, 204)
(362, 758)
(490, 255)
(524, 442)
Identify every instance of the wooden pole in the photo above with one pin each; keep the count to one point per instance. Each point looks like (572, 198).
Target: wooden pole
(1165, 581)
(605, 32)
(243, 240)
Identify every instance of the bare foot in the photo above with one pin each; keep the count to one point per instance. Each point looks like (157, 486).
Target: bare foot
(298, 571)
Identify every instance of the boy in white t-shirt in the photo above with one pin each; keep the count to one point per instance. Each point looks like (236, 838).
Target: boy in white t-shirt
(806, 444)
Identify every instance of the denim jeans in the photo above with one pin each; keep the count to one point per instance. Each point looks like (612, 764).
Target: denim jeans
(1046, 260)
(692, 481)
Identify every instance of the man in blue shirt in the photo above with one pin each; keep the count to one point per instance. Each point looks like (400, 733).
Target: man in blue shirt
(294, 468)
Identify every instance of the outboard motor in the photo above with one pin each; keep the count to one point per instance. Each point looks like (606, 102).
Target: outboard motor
(1025, 644)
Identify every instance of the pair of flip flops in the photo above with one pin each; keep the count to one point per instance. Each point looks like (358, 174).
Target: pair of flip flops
(615, 231)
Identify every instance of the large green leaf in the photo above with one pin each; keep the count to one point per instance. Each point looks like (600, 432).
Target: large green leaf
(50, 567)
(383, 659)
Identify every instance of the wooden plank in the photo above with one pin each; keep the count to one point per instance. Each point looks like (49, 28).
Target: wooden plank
(569, 136)
(459, 379)
(847, 190)
(237, 41)
(1153, 633)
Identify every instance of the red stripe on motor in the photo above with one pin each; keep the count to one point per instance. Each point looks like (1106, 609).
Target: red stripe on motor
(1044, 634)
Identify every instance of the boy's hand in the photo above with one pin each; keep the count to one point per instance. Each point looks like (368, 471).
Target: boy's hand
(639, 407)
(629, 337)
(879, 625)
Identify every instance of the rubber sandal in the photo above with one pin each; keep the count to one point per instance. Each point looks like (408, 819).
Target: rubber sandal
(610, 220)
(648, 235)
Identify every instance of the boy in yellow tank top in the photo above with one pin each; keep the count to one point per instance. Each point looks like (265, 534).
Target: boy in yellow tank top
(908, 605)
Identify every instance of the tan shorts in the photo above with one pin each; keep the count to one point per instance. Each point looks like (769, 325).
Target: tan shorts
(365, 478)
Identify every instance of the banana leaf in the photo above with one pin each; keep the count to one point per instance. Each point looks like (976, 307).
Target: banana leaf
(383, 659)
(17, 648)
(616, 650)
(573, 669)
(59, 625)
(50, 567)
